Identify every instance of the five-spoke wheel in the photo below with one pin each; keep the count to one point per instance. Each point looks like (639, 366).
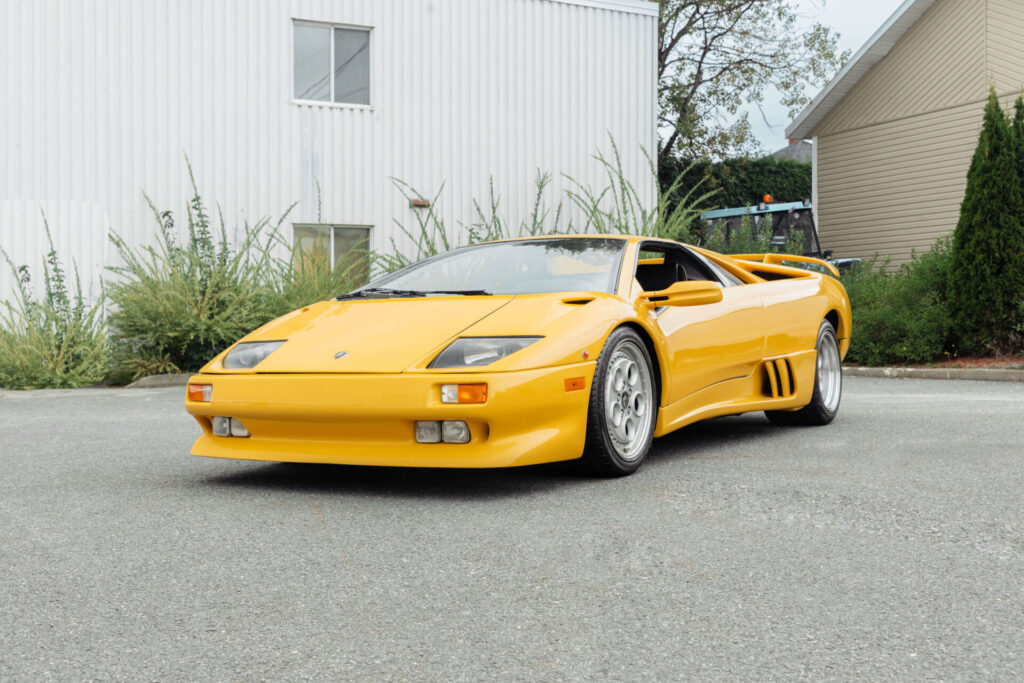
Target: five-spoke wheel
(623, 406)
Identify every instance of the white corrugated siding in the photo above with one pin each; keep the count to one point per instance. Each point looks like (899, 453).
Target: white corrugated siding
(103, 97)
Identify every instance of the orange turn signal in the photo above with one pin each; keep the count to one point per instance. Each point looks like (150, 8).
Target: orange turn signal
(575, 384)
(200, 392)
(464, 393)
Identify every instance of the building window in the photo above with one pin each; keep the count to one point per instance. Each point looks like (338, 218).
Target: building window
(339, 246)
(332, 64)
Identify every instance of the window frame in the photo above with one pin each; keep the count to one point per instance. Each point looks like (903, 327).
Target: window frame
(369, 71)
(699, 258)
(724, 276)
(331, 227)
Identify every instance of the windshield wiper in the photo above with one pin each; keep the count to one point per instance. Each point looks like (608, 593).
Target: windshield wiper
(386, 293)
(459, 292)
(379, 293)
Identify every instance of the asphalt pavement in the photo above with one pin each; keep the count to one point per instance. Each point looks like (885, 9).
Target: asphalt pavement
(886, 546)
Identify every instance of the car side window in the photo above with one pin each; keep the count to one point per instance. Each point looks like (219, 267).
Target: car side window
(660, 266)
(727, 279)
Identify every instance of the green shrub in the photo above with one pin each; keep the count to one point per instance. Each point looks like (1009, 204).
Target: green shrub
(746, 240)
(301, 278)
(987, 274)
(900, 316)
(176, 306)
(55, 342)
(308, 279)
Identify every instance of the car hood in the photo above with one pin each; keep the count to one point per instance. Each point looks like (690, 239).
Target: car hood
(404, 335)
(368, 336)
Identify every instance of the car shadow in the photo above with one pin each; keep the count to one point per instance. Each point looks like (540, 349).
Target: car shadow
(729, 437)
(720, 438)
(405, 482)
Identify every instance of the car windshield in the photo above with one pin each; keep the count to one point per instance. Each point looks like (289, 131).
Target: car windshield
(522, 267)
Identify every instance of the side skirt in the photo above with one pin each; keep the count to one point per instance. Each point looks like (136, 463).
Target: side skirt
(741, 395)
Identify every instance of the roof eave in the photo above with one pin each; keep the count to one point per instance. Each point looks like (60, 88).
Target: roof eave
(872, 52)
(645, 7)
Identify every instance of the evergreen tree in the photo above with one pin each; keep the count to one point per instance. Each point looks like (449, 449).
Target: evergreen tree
(1018, 133)
(987, 274)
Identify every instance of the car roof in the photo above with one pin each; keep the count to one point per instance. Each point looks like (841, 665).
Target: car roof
(530, 238)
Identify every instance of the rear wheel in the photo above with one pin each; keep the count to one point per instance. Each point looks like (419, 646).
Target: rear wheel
(623, 407)
(828, 385)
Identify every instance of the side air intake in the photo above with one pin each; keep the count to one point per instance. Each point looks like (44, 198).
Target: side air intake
(778, 381)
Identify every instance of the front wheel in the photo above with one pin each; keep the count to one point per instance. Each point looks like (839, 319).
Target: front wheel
(828, 385)
(623, 407)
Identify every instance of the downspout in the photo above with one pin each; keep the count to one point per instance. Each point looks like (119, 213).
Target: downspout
(814, 187)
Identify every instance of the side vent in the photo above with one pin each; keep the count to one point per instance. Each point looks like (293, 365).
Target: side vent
(770, 276)
(779, 381)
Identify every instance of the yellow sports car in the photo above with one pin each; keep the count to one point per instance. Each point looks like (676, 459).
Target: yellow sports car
(529, 351)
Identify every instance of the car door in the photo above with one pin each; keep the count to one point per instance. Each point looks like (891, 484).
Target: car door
(793, 313)
(706, 344)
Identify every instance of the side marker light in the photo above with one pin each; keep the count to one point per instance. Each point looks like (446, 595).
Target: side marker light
(200, 392)
(463, 393)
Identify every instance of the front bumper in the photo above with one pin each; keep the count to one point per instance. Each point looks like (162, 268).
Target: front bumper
(368, 419)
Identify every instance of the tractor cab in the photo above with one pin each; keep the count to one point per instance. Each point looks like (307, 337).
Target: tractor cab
(782, 219)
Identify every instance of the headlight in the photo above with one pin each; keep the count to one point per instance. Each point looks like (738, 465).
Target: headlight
(479, 351)
(248, 355)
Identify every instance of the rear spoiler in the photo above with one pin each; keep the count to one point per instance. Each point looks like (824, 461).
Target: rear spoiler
(780, 259)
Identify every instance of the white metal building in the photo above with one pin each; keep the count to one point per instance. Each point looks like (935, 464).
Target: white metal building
(103, 98)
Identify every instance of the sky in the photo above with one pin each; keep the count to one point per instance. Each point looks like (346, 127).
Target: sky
(856, 21)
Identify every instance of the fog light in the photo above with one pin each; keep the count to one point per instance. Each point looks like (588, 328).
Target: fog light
(200, 392)
(463, 393)
(238, 429)
(454, 431)
(222, 426)
(428, 432)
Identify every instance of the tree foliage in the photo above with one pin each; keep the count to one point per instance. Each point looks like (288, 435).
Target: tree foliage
(742, 181)
(714, 56)
(987, 274)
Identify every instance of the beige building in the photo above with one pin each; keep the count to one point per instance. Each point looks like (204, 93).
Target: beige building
(895, 130)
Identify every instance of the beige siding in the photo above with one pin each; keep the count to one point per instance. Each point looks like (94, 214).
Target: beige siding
(893, 155)
(939, 63)
(1006, 44)
(893, 188)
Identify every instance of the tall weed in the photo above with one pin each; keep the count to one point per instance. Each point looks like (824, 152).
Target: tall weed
(176, 306)
(55, 341)
(615, 207)
(299, 278)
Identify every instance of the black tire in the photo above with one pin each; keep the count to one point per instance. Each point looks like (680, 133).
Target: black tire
(824, 403)
(603, 454)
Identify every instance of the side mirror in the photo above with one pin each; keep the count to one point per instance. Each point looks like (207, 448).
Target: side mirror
(687, 293)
